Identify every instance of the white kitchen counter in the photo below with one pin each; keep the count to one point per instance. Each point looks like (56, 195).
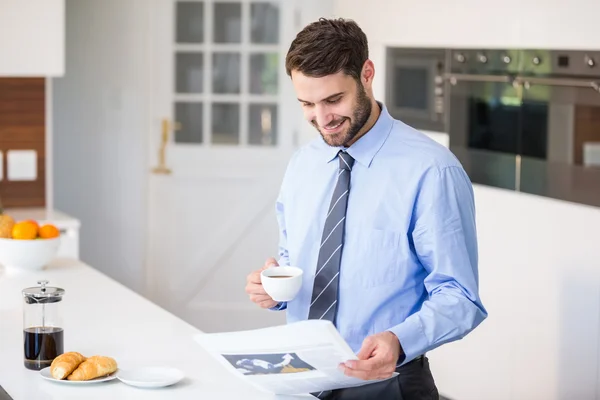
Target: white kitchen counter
(103, 317)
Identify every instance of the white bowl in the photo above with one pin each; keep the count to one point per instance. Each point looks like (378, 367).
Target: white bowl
(28, 254)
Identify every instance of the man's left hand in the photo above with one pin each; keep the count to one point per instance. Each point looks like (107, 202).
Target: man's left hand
(377, 357)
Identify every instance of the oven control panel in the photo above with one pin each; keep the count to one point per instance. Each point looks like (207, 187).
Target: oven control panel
(561, 62)
(525, 61)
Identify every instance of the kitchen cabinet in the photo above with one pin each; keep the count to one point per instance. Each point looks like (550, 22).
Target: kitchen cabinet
(32, 38)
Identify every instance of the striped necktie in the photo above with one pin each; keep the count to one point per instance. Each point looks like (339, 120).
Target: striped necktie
(324, 296)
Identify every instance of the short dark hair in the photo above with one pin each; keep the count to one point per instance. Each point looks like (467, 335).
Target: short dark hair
(328, 46)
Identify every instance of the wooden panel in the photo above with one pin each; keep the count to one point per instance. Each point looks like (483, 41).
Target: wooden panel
(22, 127)
(587, 129)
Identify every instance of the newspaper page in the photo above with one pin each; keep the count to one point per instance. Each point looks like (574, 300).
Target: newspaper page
(296, 358)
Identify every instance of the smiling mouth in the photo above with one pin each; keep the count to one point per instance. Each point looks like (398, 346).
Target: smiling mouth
(334, 127)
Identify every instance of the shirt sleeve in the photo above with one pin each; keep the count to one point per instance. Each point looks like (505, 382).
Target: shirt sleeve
(445, 242)
(280, 209)
(279, 306)
(284, 258)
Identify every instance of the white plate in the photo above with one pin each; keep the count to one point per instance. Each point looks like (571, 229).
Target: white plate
(46, 375)
(150, 377)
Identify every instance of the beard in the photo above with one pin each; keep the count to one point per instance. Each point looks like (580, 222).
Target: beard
(359, 118)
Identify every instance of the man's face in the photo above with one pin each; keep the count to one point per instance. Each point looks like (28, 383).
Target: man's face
(336, 105)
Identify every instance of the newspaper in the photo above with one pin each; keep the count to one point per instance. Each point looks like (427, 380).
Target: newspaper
(297, 358)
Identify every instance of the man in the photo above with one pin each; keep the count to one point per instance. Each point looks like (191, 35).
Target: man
(380, 218)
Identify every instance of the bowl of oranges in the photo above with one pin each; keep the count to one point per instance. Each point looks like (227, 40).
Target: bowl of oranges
(27, 245)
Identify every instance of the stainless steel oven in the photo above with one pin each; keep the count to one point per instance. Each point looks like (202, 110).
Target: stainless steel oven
(415, 79)
(518, 119)
(484, 114)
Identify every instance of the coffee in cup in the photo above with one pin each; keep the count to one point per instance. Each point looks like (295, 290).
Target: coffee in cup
(282, 283)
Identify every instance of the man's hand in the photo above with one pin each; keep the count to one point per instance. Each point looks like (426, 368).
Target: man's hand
(377, 357)
(255, 289)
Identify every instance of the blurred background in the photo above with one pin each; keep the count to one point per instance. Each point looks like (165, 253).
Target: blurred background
(155, 133)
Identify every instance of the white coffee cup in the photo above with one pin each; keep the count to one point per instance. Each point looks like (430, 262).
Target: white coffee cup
(282, 283)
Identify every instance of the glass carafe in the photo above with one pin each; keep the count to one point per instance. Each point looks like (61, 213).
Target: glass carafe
(43, 334)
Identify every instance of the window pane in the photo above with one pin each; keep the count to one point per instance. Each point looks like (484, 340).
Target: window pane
(190, 117)
(190, 22)
(189, 68)
(263, 124)
(228, 23)
(226, 73)
(263, 73)
(225, 123)
(265, 23)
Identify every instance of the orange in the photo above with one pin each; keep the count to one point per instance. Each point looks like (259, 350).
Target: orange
(25, 230)
(37, 226)
(49, 231)
(6, 225)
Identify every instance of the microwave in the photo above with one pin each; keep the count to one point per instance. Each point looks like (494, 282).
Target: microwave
(414, 90)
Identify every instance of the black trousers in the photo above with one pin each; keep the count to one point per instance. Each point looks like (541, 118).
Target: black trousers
(414, 382)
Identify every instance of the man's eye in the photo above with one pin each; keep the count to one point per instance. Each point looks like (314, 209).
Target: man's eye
(334, 101)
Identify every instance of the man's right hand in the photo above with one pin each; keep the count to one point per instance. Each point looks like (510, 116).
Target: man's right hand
(255, 289)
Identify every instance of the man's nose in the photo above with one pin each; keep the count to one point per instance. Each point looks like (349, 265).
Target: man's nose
(322, 116)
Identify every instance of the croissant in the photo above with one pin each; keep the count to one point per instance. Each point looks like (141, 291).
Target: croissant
(93, 367)
(64, 364)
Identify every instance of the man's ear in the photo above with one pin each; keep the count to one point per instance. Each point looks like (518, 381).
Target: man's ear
(367, 74)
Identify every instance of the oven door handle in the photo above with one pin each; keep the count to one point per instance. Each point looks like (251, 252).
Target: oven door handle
(454, 78)
(576, 83)
(522, 80)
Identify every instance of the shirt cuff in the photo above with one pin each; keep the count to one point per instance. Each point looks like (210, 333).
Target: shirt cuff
(284, 262)
(279, 306)
(412, 339)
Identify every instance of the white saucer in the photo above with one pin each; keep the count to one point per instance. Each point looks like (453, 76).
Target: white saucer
(46, 375)
(150, 377)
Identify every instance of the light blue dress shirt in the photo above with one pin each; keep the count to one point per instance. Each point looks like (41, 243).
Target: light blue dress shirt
(409, 260)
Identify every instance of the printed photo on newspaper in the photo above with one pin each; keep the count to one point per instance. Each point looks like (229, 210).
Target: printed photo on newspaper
(296, 358)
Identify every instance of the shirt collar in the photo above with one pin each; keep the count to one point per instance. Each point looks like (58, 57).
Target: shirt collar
(365, 148)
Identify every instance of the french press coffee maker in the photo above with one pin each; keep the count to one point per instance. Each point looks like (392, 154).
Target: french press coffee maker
(43, 335)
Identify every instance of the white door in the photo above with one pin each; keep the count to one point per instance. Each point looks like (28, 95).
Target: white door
(226, 107)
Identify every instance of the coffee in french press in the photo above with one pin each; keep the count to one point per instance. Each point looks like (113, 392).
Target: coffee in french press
(43, 335)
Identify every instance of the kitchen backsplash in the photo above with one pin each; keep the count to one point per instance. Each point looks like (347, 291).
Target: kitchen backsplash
(22, 142)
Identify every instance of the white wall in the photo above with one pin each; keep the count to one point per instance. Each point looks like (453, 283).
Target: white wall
(32, 37)
(100, 130)
(551, 24)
